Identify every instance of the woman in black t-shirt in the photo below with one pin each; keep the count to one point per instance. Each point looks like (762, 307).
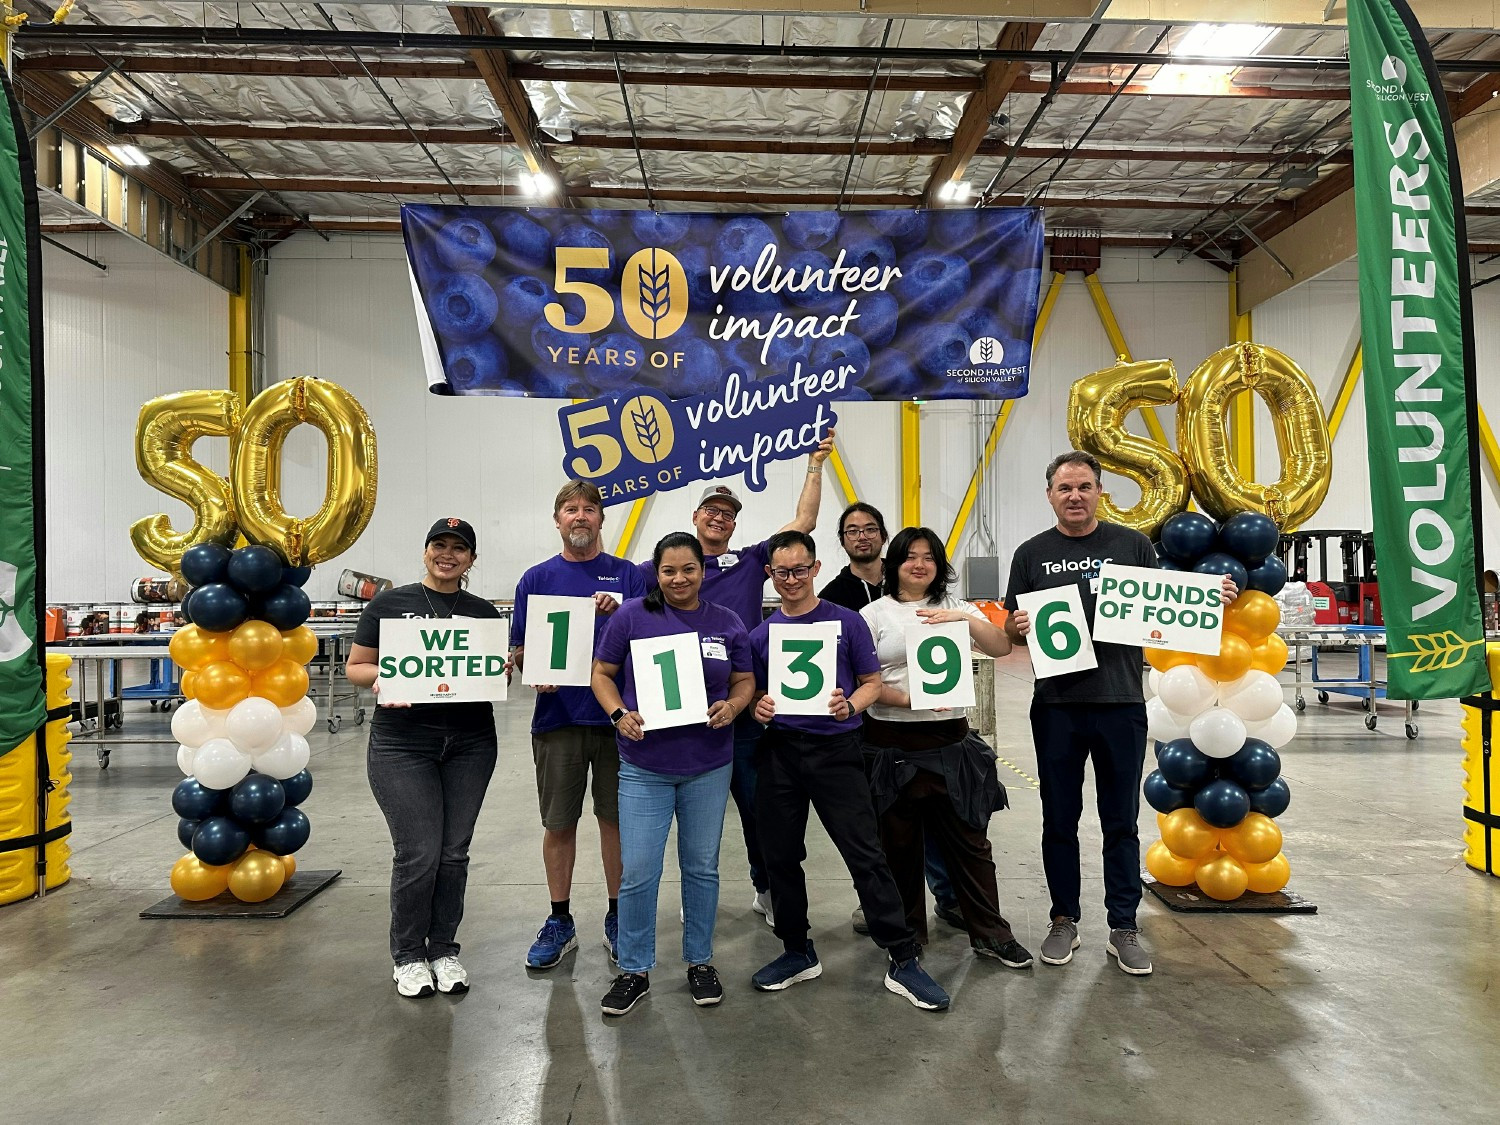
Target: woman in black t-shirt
(429, 765)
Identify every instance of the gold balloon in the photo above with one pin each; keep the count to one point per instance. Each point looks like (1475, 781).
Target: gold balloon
(1301, 435)
(1232, 662)
(255, 645)
(1163, 659)
(1165, 866)
(301, 644)
(256, 876)
(283, 683)
(1269, 877)
(290, 863)
(1161, 819)
(349, 499)
(193, 648)
(1097, 407)
(188, 685)
(195, 881)
(1254, 615)
(1256, 839)
(1188, 834)
(1222, 878)
(1270, 655)
(221, 685)
(164, 436)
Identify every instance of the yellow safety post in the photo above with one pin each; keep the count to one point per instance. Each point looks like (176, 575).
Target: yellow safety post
(1482, 775)
(1345, 393)
(240, 367)
(631, 526)
(1122, 349)
(34, 819)
(911, 464)
(971, 495)
(1242, 423)
(1487, 443)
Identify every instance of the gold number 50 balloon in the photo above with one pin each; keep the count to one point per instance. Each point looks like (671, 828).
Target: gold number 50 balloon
(164, 438)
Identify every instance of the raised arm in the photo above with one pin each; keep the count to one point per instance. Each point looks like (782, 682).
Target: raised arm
(812, 488)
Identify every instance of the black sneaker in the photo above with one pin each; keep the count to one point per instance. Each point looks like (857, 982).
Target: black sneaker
(703, 983)
(950, 913)
(1012, 954)
(626, 991)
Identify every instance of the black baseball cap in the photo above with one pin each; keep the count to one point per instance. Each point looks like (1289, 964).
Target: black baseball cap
(452, 525)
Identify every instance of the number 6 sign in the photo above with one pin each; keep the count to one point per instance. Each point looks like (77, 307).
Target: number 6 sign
(939, 672)
(1059, 640)
(801, 667)
(559, 641)
(669, 686)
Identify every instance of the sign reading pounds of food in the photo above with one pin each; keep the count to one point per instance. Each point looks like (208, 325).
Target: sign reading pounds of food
(669, 687)
(1059, 639)
(1165, 609)
(559, 641)
(938, 669)
(454, 660)
(801, 669)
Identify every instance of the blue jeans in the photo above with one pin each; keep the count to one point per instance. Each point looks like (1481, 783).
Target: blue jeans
(747, 735)
(648, 802)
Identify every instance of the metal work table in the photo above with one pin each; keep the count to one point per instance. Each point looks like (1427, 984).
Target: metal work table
(1364, 686)
(102, 653)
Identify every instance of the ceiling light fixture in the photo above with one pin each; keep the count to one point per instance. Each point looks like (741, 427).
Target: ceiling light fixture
(1209, 41)
(536, 183)
(131, 155)
(956, 191)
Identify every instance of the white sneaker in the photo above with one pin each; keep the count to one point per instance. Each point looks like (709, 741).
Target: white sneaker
(451, 976)
(761, 904)
(414, 979)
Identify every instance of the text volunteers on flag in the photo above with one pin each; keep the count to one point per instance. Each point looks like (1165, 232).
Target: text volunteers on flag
(1417, 328)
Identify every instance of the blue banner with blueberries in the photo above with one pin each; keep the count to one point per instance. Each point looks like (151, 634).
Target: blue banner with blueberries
(811, 305)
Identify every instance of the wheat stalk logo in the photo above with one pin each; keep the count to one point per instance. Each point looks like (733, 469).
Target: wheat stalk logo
(1434, 652)
(654, 291)
(647, 430)
(986, 350)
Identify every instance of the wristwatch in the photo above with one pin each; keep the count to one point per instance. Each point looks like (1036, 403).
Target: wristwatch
(616, 715)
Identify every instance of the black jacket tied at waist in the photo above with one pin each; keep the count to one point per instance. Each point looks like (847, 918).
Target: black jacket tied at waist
(967, 768)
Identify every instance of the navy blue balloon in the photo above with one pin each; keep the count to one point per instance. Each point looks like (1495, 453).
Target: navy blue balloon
(184, 609)
(258, 799)
(185, 829)
(1222, 803)
(1269, 577)
(1157, 747)
(285, 834)
(219, 840)
(219, 607)
(193, 800)
(1221, 563)
(1188, 536)
(1249, 537)
(1254, 766)
(286, 607)
(297, 787)
(255, 569)
(1185, 766)
(296, 575)
(205, 563)
(1273, 800)
(1163, 797)
(1166, 562)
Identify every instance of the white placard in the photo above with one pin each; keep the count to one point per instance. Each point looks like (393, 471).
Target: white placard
(939, 670)
(1059, 639)
(559, 641)
(443, 660)
(1163, 609)
(802, 667)
(669, 686)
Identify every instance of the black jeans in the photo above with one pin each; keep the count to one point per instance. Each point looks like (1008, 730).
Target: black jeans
(747, 736)
(828, 772)
(1114, 736)
(430, 786)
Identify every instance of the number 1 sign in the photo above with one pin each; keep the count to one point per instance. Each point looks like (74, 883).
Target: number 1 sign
(669, 686)
(801, 667)
(559, 641)
(1059, 640)
(939, 672)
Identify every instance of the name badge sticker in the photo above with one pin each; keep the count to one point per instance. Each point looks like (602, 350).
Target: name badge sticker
(715, 650)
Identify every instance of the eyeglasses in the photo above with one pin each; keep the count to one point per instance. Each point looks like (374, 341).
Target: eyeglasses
(871, 532)
(718, 513)
(786, 574)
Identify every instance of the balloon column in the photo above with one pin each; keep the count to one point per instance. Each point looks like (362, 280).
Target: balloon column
(243, 730)
(1218, 721)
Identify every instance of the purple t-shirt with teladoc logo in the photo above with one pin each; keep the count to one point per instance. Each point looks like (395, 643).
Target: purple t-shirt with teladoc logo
(725, 648)
(856, 657)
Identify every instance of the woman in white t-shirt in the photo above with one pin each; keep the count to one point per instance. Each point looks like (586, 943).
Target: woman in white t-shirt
(929, 773)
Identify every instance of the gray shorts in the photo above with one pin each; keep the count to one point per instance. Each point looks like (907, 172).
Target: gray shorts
(563, 760)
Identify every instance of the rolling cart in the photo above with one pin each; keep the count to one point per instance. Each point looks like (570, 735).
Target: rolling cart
(1364, 686)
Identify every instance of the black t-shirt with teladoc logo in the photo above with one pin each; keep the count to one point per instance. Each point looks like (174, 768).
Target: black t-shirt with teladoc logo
(1052, 559)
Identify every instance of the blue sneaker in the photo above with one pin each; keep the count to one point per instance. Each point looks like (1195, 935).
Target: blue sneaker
(612, 936)
(554, 939)
(909, 979)
(788, 969)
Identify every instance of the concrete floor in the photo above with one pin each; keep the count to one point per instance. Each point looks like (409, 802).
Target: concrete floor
(1379, 1008)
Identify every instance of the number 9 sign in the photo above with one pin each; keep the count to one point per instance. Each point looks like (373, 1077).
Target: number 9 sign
(939, 671)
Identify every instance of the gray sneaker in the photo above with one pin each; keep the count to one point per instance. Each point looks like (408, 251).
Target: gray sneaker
(1125, 947)
(1061, 940)
(861, 927)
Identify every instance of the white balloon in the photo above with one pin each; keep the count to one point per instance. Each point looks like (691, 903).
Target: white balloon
(1153, 682)
(286, 759)
(185, 759)
(219, 764)
(194, 724)
(254, 724)
(1257, 699)
(300, 717)
(1229, 687)
(1218, 732)
(1276, 731)
(1162, 724)
(1186, 690)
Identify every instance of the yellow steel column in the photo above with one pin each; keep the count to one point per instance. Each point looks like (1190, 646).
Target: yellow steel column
(1345, 393)
(1487, 443)
(630, 527)
(1122, 349)
(841, 474)
(1242, 418)
(911, 464)
(240, 366)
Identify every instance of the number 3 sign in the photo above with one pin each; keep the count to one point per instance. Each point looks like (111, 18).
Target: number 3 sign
(1059, 641)
(801, 667)
(939, 671)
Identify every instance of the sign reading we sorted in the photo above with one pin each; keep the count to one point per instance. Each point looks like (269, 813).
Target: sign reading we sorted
(1163, 609)
(452, 660)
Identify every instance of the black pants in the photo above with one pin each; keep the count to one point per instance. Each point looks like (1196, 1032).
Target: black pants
(826, 771)
(923, 809)
(1114, 736)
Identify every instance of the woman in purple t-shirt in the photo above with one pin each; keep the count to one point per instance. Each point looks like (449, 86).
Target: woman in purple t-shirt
(680, 771)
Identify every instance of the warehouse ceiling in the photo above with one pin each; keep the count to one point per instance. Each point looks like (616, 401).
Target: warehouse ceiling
(283, 116)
